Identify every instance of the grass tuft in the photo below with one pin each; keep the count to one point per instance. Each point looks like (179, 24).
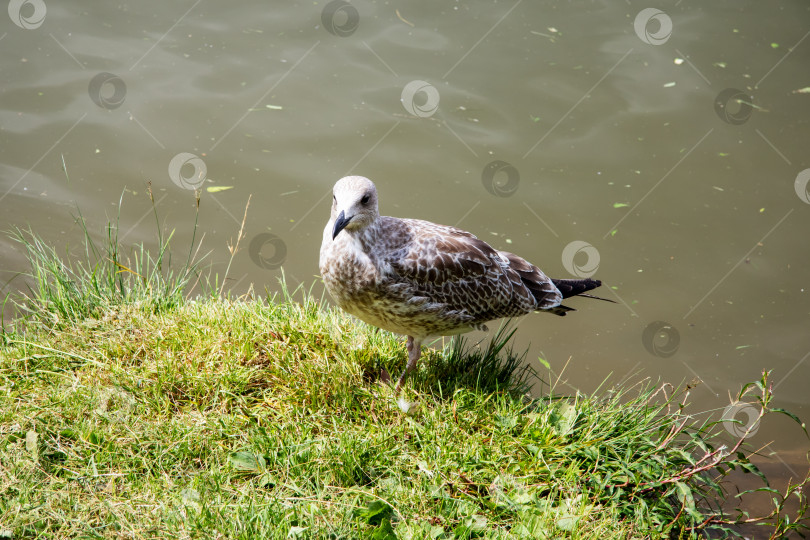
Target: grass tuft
(62, 290)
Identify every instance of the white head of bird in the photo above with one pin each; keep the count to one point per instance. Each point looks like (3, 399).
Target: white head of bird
(354, 205)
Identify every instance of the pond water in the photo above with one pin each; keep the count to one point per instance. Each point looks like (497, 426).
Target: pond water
(660, 147)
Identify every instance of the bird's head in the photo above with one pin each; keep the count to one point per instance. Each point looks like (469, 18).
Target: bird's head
(354, 204)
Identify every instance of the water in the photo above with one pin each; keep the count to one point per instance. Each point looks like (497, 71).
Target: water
(675, 158)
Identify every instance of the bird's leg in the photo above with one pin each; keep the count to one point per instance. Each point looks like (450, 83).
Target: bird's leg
(414, 350)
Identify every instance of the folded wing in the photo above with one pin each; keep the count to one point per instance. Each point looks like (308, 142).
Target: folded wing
(450, 267)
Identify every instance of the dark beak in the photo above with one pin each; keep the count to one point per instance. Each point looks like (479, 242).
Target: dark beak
(340, 224)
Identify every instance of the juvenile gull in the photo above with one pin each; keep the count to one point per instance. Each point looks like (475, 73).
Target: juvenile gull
(420, 279)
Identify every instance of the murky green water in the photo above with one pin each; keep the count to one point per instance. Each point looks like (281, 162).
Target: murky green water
(669, 141)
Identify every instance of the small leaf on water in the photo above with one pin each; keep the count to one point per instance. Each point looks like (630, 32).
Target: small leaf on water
(217, 189)
(805, 90)
(274, 107)
(738, 347)
(620, 205)
(544, 362)
(774, 45)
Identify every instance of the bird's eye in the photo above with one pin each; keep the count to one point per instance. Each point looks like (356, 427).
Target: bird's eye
(365, 199)
(334, 199)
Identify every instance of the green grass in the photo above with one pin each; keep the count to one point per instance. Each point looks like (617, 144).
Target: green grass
(130, 411)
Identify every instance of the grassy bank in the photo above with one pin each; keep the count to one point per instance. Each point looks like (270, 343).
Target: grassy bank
(130, 411)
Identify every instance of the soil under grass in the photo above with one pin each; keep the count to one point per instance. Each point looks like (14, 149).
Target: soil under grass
(128, 411)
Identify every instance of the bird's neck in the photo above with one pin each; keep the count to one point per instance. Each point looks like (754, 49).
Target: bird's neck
(368, 236)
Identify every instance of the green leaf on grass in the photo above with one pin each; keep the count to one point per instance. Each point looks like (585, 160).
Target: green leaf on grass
(384, 531)
(247, 462)
(684, 494)
(562, 418)
(375, 512)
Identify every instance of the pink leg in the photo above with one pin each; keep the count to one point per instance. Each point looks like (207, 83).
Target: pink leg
(414, 351)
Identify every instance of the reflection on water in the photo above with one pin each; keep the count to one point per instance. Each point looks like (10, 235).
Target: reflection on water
(662, 151)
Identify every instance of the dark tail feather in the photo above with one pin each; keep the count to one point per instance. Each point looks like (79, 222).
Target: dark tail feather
(575, 287)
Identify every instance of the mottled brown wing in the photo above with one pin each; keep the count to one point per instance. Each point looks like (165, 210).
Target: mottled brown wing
(542, 287)
(449, 266)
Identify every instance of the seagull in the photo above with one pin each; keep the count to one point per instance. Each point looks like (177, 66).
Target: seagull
(425, 280)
